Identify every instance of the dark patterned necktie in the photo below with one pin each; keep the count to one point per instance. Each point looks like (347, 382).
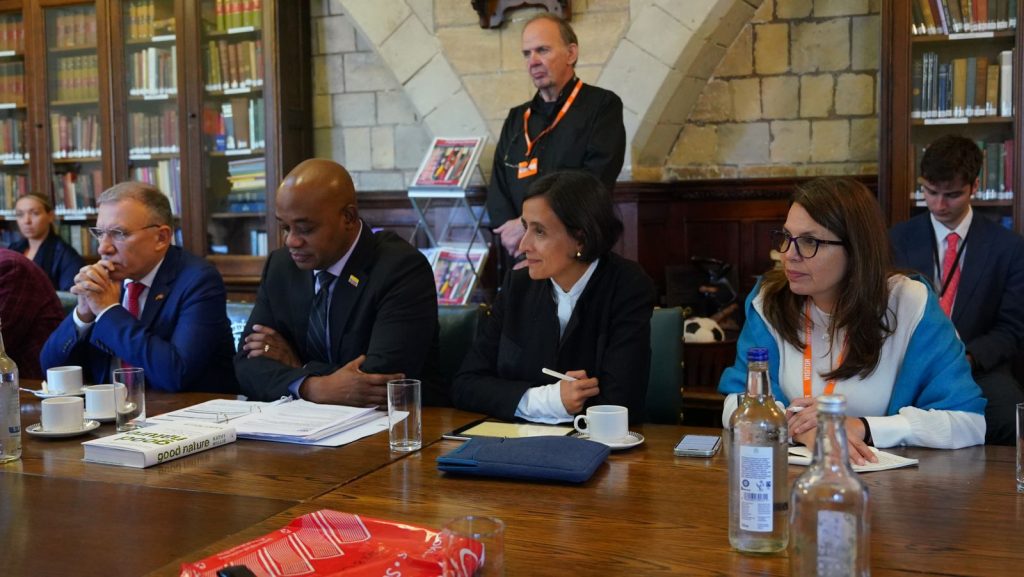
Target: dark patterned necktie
(316, 336)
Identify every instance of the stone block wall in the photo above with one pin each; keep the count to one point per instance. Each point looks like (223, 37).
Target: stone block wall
(795, 95)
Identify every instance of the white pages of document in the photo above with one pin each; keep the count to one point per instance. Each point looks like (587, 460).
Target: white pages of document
(802, 456)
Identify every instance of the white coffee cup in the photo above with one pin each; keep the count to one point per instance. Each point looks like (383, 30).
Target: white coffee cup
(62, 414)
(604, 423)
(64, 380)
(101, 401)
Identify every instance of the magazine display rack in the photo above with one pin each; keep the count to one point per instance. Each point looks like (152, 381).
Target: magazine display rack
(443, 176)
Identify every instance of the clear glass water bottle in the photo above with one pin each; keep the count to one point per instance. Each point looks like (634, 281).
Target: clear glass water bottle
(758, 463)
(829, 519)
(10, 407)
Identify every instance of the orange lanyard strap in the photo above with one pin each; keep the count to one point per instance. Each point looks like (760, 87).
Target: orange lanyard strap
(561, 113)
(808, 357)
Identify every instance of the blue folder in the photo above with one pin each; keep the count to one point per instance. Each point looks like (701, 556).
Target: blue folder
(545, 458)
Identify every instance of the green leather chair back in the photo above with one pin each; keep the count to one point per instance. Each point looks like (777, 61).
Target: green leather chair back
(68, 301)
(664, 389)
(458, 327)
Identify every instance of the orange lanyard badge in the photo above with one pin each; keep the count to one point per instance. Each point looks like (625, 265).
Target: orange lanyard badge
(528, 168)
(808, 356)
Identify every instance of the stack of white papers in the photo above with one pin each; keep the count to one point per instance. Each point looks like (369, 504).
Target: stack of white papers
(802, 456)
(287, 421)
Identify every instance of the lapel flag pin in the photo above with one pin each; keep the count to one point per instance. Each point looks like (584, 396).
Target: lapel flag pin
(159, 297)
(353, 280)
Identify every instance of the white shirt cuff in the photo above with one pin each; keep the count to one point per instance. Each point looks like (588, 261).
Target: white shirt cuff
(543, 405)
(81, 326)
(889, 431)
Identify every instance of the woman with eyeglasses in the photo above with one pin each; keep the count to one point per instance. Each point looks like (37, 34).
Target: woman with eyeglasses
(41, 243)
(868, 332)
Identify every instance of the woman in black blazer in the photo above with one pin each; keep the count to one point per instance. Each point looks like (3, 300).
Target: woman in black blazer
(42, 245)
(578, 308)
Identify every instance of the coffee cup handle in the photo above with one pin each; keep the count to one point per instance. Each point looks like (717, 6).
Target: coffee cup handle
(576, 424)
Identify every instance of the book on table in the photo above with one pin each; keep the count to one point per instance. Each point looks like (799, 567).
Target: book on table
(150, 446)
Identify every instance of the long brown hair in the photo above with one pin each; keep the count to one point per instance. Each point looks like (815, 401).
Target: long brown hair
(847, 209)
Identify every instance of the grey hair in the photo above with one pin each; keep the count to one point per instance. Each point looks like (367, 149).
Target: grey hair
(150, 196)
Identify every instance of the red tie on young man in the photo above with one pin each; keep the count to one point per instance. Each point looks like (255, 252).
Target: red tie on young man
(946, 300)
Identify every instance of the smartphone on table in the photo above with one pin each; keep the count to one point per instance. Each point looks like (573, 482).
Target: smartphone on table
(698, 446)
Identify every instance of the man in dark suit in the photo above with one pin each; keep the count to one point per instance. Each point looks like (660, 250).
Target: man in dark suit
(978, 270)
(341, 310)
(170, 320)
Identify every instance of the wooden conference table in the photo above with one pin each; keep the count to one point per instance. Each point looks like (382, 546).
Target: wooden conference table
(646, 512)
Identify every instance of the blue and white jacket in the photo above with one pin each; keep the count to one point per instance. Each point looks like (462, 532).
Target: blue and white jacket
(921, 393)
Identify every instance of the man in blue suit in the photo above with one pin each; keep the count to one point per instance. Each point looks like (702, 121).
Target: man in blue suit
(977, 267)
(170, 319)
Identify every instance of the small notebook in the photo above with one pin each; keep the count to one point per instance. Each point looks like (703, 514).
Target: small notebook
(802, 456)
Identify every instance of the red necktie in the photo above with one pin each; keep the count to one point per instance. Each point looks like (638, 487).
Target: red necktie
(134, 292)
(946, 300)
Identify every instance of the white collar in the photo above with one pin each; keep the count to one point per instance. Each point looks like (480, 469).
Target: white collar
(338, 266)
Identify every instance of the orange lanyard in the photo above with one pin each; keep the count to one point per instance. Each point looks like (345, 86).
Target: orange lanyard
(561, 113)
(808, 357)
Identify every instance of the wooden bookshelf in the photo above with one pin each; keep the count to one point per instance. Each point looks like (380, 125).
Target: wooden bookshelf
(148, 62)
(907, 129)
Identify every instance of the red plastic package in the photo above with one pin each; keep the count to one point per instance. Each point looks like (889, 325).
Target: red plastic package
(332, 543)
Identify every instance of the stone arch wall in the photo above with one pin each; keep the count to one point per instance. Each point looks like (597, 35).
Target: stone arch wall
(390, 74)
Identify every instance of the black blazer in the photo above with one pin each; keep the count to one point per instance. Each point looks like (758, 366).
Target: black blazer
(384, 306)
(57, 258)
(989, 308)
(608, 335)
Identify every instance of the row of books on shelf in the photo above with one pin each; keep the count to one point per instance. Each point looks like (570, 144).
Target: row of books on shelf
(77, 235)
(963, 87)
(77, 78)
(75, 136)
(76, 192)
(165, 175)
(12, 32)
(963, 16)
(234, 14)
(258, 242)
(248, 180)
(238, 124)
(995, 182)
(12, 187)
(154, 71)
(12, 82)
(75, 27)
(150, 133)
(243, 202)
(12, 139)
(234, 65)
(145, 23)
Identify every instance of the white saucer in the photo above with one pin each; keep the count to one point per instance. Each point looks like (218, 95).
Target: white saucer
(631, 440)
(37, 430)
(109, 419)
(48, 395)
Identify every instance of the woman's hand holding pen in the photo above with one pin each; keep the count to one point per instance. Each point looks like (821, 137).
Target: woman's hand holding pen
(802, 420)
(575, 392)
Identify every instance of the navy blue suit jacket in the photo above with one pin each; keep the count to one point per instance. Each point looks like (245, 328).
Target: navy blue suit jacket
(183, 340)
(989, 309)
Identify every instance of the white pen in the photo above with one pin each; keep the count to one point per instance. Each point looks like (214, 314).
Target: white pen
(557, 375)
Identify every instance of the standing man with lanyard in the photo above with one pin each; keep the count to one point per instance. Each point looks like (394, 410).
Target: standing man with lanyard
(977, 269)
(567, 125)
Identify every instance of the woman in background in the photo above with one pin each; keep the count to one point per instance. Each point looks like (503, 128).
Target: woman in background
(41, 243)
(577, 308)
(870, 333)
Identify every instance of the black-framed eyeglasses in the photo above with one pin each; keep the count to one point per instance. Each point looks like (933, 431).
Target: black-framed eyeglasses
(115, 234)
(806, 246)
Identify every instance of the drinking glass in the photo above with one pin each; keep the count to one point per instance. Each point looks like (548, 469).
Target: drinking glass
(131, 400)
